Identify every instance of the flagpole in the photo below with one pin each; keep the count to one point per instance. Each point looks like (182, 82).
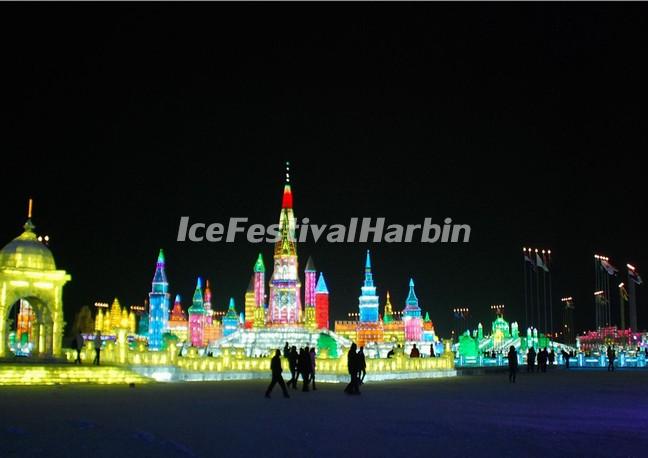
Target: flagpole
(622, 305)
(633, 300)
(538, 292)
(526, 305)
(596, 288)
(608, 298)
(544, 287)
(551, 328)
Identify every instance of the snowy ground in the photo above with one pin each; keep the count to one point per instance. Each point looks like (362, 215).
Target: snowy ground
(584, 412)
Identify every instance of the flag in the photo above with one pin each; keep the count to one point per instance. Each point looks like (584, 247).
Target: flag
(624, 293)
(527, 258)
(609, 268)
(540, 263)
(635, 277)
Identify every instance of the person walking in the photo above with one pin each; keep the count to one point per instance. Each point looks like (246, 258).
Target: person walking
(531, 356)
(97, 347)
(566, 357)
(275, 367)
(313, 366)
(512, 364)
(552, 358)
(611, 355)
(542, 360)
(362, 366)
(352, 366)
(78, 344)
(304, 367)
(293, 362)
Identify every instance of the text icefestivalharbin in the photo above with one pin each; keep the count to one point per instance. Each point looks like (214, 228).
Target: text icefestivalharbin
(360, 230)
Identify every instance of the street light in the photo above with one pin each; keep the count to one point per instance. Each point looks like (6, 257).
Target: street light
(461, 312)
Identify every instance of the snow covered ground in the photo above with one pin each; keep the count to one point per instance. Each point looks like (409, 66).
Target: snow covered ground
(578, 413)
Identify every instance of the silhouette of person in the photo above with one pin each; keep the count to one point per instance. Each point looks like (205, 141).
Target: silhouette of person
(286, 351)
(275, 367)
(313, 357)
(78, 345)
(97, 347)
(352, 366)
(362, 366)
(432, 354)
(542, 360)
(512, 364)
(415, 352)
(531, 356)
(304, 367)
(390, 353)
(566, 357)
(552, 357)
(611, 355)
(293, 362)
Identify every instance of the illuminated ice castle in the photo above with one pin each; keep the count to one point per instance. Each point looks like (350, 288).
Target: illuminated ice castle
(380, 334)
(283, 315)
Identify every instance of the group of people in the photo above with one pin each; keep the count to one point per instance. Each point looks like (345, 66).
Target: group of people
(416, 353)
(302, 363)
(357, 366)
(78, 346)
(566, 356)
(543, 356)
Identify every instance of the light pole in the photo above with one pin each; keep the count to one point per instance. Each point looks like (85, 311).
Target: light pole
(461, 313)
(568, 319)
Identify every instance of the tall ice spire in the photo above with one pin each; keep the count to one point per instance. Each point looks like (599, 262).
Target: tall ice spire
(159, 305)
(368, 300)
(285, 288)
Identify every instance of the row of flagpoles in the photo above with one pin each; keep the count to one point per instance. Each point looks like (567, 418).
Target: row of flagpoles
(604, 271)
(538, 294)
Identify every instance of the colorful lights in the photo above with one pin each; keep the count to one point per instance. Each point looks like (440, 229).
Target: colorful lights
(197, 317)
(28, 271)
(368, 300)
(412, 316)
(321, 303)
(28, 374)
(285, 287)
(230, 320)
(159, 305)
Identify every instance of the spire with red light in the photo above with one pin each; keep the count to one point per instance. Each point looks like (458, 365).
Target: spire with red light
(287, 201)
(284, 301)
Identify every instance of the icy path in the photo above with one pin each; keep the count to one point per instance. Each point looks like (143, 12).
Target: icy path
(555, 414)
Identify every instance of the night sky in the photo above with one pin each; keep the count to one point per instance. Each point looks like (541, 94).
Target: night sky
(526, 122)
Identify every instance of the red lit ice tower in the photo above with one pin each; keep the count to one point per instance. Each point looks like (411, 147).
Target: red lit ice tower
(250, 305)
(321, 303)
(285, 287)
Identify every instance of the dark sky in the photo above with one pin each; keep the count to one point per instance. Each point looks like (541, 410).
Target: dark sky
(526, 122)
